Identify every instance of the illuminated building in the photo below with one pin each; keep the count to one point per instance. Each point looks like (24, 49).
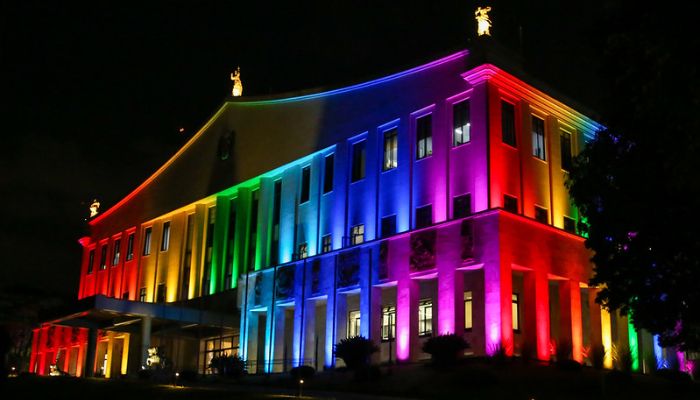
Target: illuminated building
(427, 202)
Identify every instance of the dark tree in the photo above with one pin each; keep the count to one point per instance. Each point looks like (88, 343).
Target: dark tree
(637, 183)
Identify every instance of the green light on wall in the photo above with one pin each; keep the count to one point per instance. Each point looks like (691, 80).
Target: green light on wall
(634, 345)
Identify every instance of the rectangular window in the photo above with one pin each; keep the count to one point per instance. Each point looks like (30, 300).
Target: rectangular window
(103, 257)
(510, 204)
(160, 293)
(424, 216)
(424, 136)
(125, 296)
(187, 260)
(303, 251)
(516, 312)
(326, 243)
(462, 206)
(566, 154)
(357, 234)
(358, 161)
(230, 244)
(328, 173)
(208, 250)
(353, 323)
(276, 213)
(508, 123)
(425, 318)
(538, 149)
(569, 225)
(255, 195)
(541, 215)
(142, 294)
(91, 261)
(130, 247)
(165, 239)
(468, 316)
(388, 225)
(388, 323)
(461, 125)
(391, 149)
(147, 241)
(116, 251)
(305, 185)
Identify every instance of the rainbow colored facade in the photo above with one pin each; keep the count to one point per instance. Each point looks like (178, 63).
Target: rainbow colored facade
(428, 202)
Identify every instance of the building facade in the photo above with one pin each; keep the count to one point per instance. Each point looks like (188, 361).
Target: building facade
(427, 202)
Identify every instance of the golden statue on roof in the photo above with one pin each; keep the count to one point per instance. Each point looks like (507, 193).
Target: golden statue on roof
(94, 208)
(237, 85)
(483, 21)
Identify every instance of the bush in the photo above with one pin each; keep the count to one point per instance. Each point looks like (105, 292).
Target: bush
(673, 375)
(498, 354)
(597, 356)
(569, 365)
(304, 372)
(445, 349)
(622, 357)
(563, 350)
(188, 375)
(527, 353)
(355, 352)
(228, 366)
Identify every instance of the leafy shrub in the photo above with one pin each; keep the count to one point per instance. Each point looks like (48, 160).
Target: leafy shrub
(445, 349)
(498, 354)
(597, 356)
(304, 372)
(673, 375)
(527, 353)
(622, 358)
(569, 365)
(563, 350)
(188, 375)
(355, 352)
(228, 366)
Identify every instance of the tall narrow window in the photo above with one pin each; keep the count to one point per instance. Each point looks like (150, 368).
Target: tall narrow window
(165, 240)
(541, 214)
(130, 247)
(468, 316)
(538, 149)
(103, 257)
(91, 261)
(116, 251)
(516, 312)
(255, 195)
(566, 157)
(160, 293)
(230, 244)
(391, 149)
(305, 184)
(510, 204)
(208, 251)
(353, 323)
(276, 213)
(424, 216)
(388, 323)
(388, 225)
(508, 123)
(142, 294)
(328, 173)
(187, 260)
(303, 251)
(424, 136)
(462, 206)
(147, 241)
(326, 243)
(357, 234)
(358, 161)
(425, 318)
(461, 124)
(569, 224)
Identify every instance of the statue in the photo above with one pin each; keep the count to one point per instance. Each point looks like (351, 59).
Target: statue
(94, 208)
(483, 21)
(237, 85)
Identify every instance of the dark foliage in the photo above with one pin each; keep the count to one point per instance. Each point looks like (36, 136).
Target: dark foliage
(569, 365)
(355, 352)
(228, 366)
(597, 356)
(304, 372)
(673, 375)
(445, 349)
(563, 350)
(636, 182)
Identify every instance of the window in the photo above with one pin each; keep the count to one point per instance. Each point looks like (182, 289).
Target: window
(541, 215)
(130, 247)
(461, 125)
(142, 294)
(305, 185)
(569, 225)
(425, 318)
(424, 136)
(357, 234)
(254, 203)
(510, 204)
(217, 347)
(391, 149)
(230, 244)
(328, 174)
(566, 157)
(187, 260)
(388, 323)
(358, 161)
(468, 316)
(388, 225)
(103, 257)
(165, 240)
(462, 206)
(508, 123)
(147, 241)
(424, 216)
(326, 243)
(515, 310)
(276, 209)
(116, 251)
(125, 296)
(303, 251)
(91, 261)
(160, 293)
(353, 323)
(538, 149)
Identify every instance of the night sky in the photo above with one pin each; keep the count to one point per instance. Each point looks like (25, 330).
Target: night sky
(95, 93)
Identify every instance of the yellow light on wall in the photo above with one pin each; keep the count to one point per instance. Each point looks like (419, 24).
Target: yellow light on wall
(483, 21)
(237, 84)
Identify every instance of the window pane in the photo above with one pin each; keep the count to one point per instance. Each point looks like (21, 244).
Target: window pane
(468, 317)
(328, 173)
(461, 124)
(165, 242)
(516, 313)
(510, 204)
(358, 161)
(305, 184)
(147, 241)
(391, 145)
(508, 123)
(461, 206)
(541, 215)
(538, 149)
(424, 216)
(424, 136)
(566, 157)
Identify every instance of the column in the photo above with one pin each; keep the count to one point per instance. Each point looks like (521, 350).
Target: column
(125, 354)
(91, 349)
(277, 363)
(541, 286)
(498, 288)
(606, 335)
(79, 363)
(450, 284)
(570, 304)
(110, 352)
(146, 322)
(407, 292)
(35, 348)
(309, 334)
